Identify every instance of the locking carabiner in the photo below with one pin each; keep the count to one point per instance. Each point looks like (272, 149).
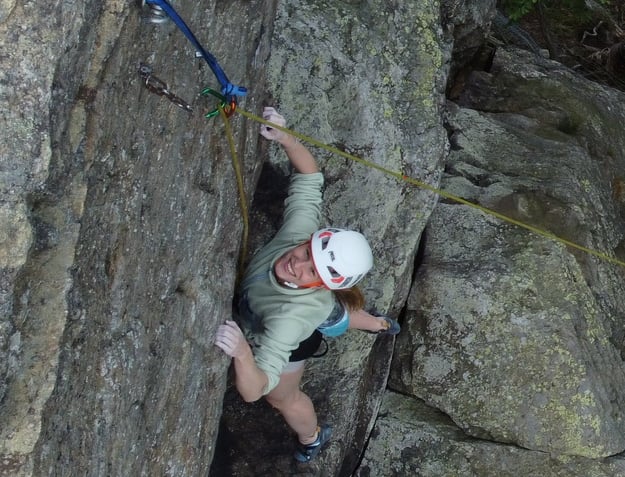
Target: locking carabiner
(229, 109)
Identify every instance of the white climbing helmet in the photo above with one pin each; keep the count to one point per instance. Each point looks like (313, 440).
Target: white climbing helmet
(341, 257)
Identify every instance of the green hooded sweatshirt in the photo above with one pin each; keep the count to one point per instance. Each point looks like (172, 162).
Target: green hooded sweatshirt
(288, 316)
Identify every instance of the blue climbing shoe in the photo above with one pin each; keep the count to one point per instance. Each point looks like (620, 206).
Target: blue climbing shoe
(393, 327)
(305, 453)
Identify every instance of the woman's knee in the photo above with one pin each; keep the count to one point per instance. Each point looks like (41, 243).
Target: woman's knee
(284, 398)
(287, 391)
(273, 402)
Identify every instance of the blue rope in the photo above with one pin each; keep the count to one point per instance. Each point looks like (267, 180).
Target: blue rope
(227, 88)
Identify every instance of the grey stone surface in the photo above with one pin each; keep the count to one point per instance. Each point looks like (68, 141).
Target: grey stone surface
(515, 335)
(359, 81)
(120, 232)
(411, 438)
(120, 210)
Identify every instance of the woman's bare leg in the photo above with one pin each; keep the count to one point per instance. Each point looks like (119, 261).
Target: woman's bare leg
(295, 406)
(361, 320)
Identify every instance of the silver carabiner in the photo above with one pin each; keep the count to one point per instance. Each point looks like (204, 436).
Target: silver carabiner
(154, 13)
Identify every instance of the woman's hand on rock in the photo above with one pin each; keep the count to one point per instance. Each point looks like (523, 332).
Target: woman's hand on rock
(231, 340)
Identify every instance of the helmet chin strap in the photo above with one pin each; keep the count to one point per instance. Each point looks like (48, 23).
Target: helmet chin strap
(292, 285)
(316, 284)
(298, 287)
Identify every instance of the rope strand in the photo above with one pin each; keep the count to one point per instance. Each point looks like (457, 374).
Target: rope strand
(242, 196)
(440, 192)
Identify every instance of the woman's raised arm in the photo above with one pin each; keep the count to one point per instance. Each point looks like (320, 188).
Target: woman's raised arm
(301, 158)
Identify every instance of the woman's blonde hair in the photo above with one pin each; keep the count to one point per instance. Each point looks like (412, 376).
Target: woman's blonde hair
(352, 298)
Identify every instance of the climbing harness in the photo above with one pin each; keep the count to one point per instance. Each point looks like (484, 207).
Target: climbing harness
(229, 91)
(158, 86)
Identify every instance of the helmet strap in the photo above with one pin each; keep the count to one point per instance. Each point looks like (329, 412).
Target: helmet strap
(316, 284)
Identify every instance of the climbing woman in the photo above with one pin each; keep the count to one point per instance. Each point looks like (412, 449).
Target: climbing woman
(298, 287)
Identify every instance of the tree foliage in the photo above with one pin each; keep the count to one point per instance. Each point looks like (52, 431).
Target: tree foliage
(587, 35)
(516, 9)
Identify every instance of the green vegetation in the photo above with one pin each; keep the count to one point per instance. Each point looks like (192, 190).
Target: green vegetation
(586, 35)
(516, 9)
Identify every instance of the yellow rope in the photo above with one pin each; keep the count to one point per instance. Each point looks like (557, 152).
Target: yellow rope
(440, 192)
(241, 188)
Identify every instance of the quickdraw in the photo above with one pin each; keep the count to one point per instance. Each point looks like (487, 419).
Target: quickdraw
(228, 108)
(158, 86)
(229, 91)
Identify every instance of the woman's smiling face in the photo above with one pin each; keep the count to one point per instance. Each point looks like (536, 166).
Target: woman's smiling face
(297, 267)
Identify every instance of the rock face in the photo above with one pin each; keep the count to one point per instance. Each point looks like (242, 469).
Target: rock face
(120, 231)
(411, 438)
(121, 218)
(516, 336)
(118, 216)
(365, 87)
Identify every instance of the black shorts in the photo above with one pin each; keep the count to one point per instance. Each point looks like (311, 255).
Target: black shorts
(307, 348)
